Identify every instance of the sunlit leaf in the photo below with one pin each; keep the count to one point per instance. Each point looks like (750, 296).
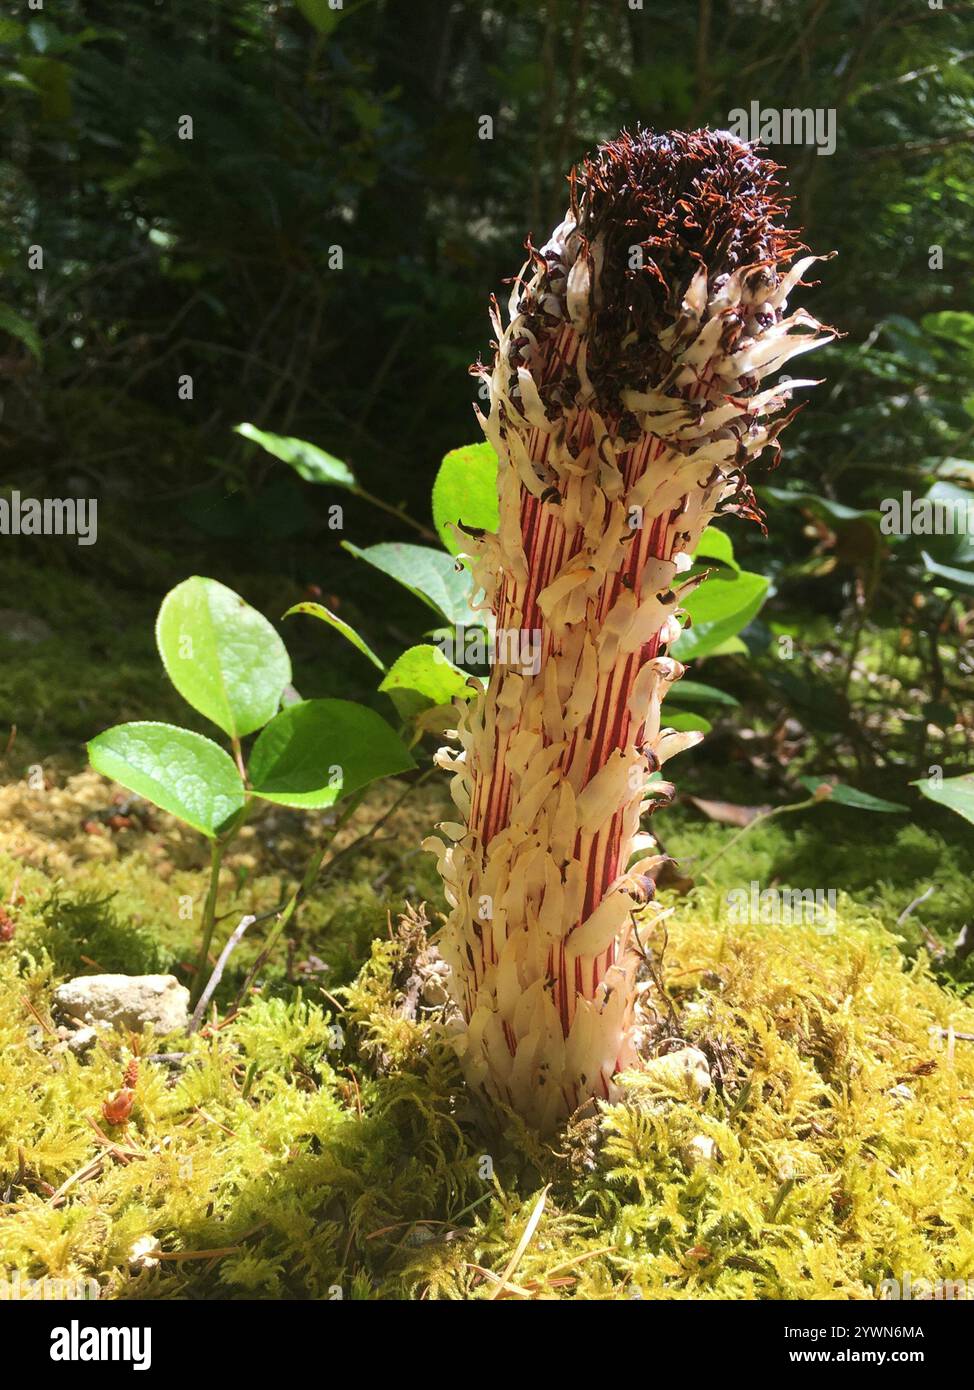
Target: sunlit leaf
(429, 574)
(318, 610)
(465, 491)
(956, 793)
(312, 463)
(317, 751)
(722, 606)
(685, 722)
(223, 657)
(715, 545)
(179, 771)
(424, 676)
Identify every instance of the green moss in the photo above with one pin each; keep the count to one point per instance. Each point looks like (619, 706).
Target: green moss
(318, 1161)
(130, 899)
(86, 927)
(322, 1140)
(884, 863)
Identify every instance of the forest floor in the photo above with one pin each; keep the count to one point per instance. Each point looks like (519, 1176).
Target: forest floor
(314, 1137)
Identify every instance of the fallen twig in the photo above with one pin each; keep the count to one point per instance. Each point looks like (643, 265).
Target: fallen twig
(234, 940)
(40, 1019)
(196, 1254)
(928, 893)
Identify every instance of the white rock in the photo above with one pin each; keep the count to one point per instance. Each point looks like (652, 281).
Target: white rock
(701, 1149)
(144, 1254)
(82, 1040)
(675, 1069)
(127, 1001)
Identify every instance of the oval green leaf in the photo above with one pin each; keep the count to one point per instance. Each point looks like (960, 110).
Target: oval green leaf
(465, 491)
(427, 573)
(422, 677)
(852, 797)
(183, 773)
(715, 544)
(313, 464)
(720, 608)
(684, 722)
(319, 750)
(318, 610)
(956, 793)
(696, 692)
(223, 657)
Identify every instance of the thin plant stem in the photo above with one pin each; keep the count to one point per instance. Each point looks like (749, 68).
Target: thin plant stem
(218, 849)
(396, 512)
(367, 835)
(286, 913)
(867, 593)
(351, 806)
(209, 917)
(238, 759)
(759, 819)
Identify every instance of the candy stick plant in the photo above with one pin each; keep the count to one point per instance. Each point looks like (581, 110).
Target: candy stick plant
(624, 407)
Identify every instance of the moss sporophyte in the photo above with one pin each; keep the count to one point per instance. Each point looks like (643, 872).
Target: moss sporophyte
(624, 407)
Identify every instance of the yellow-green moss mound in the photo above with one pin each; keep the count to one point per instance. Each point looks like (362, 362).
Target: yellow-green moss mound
(297, 1149)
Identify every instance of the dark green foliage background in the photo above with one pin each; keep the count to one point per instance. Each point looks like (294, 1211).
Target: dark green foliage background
(316, 128)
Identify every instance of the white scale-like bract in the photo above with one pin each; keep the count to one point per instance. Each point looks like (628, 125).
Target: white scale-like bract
(601, 508)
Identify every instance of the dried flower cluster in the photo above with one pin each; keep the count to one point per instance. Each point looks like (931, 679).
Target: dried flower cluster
(624, 408)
